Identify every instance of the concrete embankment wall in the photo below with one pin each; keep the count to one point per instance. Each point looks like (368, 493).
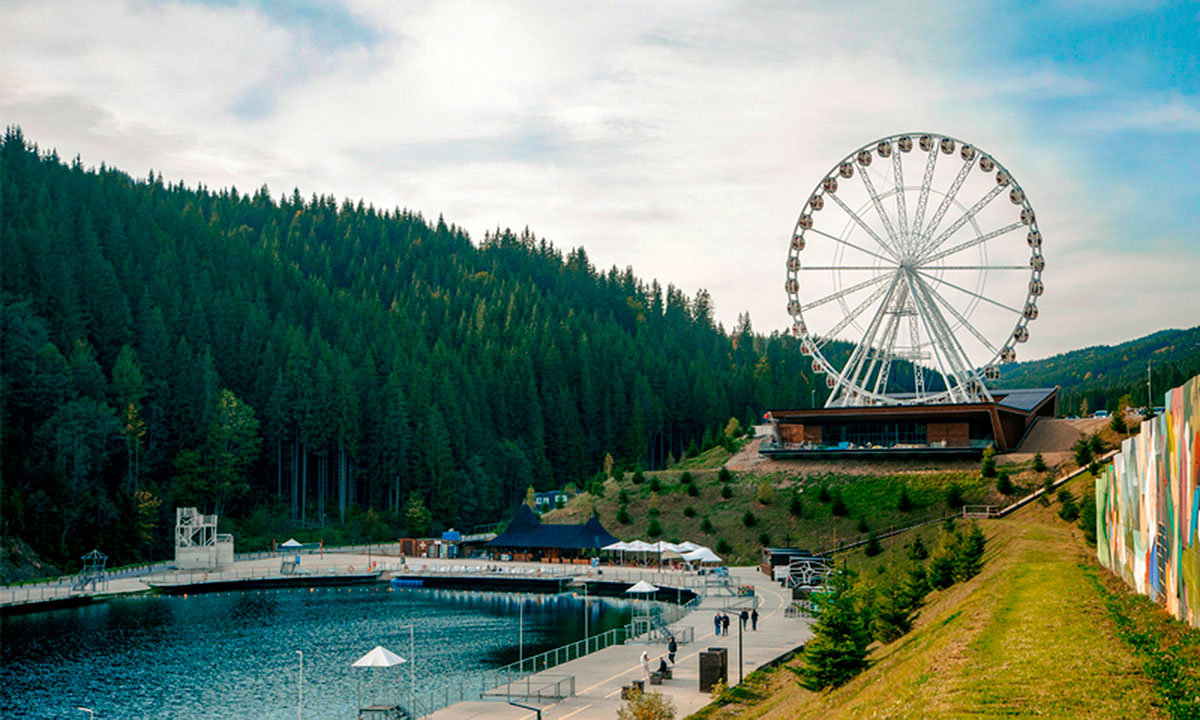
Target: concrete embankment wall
(1148, 507)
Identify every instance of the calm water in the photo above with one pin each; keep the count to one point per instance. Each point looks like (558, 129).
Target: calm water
(233, 655)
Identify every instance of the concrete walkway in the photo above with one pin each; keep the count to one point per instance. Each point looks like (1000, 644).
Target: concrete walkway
(600, 676)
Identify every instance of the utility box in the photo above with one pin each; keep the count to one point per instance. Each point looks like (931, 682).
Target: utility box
(714, 666)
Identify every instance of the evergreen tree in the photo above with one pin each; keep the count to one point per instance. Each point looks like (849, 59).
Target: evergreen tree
(838, 650)
(893, 613)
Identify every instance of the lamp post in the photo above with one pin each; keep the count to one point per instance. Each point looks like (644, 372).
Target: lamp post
(300, 689)
(586, 634)
(412, 661)
(741, 629)
(521, 640)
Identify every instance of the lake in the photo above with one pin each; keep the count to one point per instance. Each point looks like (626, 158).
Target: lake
(233, 654)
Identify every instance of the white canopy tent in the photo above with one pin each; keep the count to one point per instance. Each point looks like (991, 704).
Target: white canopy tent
(379, 657)
(292, 543)
(701, 555)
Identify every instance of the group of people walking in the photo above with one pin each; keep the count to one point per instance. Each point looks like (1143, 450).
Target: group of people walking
(721, 621)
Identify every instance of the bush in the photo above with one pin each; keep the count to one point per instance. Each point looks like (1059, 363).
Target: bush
(917, 550)
(796, 505)
(954, 496)
(749, 519)
(706, 526)
(1083, 451)
(1004, 484)
(596, 487)
(969, 558)
(892, 614)
(1087, 516)
(904, 503)
(638, 477)
(838, 506)
(618, 474)
(654, 512)
(692, 490)
(623, 515)
(654, 529)
(685, 478)
(723, 546)
(1094, 468)
(724, 475)
(692, 450)
(823, 494)
(689, 512)
(764, 539)
(647, 706)
(623, 497)
(1117, 423)
(873, 547)
(766, 493)
(1069, 510)
(988, 466)
(726, 492)
(1039, 462)
(655, 484)
(862, 524)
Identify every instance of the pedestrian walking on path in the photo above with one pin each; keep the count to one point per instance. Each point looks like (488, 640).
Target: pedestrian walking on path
(754, 619)
(646, 664)
(724, 624)
(743, 616)
(672, 647)
(717, 624)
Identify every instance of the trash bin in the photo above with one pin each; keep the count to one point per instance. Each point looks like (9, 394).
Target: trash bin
(714, 666)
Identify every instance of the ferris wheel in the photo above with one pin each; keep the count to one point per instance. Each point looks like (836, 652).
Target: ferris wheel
(913, 272)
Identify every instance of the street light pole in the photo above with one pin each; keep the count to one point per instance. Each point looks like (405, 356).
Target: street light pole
(300, 689)
(741, 629)
(521, 640)
(586, 633)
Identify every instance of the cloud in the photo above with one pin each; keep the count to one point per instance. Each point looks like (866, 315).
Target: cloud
(679, 138)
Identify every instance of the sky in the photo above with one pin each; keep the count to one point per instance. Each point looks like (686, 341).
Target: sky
(680, 139)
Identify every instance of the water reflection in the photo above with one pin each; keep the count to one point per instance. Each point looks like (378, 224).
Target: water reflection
(232, 655)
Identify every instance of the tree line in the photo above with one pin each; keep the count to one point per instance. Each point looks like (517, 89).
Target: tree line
(166, 345)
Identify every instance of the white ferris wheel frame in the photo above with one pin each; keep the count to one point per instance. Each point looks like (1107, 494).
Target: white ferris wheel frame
(906, 248)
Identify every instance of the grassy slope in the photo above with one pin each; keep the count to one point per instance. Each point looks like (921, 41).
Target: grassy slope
(1035, 633)
(871, 497)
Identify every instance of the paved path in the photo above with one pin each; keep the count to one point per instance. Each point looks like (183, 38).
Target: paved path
(600, 676)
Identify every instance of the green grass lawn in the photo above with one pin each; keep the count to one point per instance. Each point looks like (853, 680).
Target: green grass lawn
(1043, 630)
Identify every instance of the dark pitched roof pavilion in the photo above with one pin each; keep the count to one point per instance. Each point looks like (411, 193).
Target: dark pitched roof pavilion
(527, 531)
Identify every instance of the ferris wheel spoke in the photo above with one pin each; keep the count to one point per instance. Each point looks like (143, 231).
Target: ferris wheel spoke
(966, 217)
(949, 198)
(853, 367)
(975, 267)
(955, 353)
(958, 316)
(887, 221)
(843, 292)
(850, 316)
(867, 228)
(961, 289)
(847, 243)
(844, 267)
(972, 242)
(923, 199)
(935, 347)
(901, 202)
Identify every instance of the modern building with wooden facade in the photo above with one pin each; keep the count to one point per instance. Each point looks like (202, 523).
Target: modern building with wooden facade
(963, 429)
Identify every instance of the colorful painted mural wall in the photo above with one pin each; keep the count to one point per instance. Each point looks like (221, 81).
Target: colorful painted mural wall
(1148, 507)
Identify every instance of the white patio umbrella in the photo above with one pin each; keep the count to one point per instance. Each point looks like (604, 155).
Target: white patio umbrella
(641, 587)
(378, 657)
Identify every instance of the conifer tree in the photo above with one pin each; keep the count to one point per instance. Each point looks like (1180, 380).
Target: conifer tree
(838, 650)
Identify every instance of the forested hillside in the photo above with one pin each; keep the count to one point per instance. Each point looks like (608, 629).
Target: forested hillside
(166, 345)
(1096, 378)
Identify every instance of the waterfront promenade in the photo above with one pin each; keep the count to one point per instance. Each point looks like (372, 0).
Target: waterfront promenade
(600, 676)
